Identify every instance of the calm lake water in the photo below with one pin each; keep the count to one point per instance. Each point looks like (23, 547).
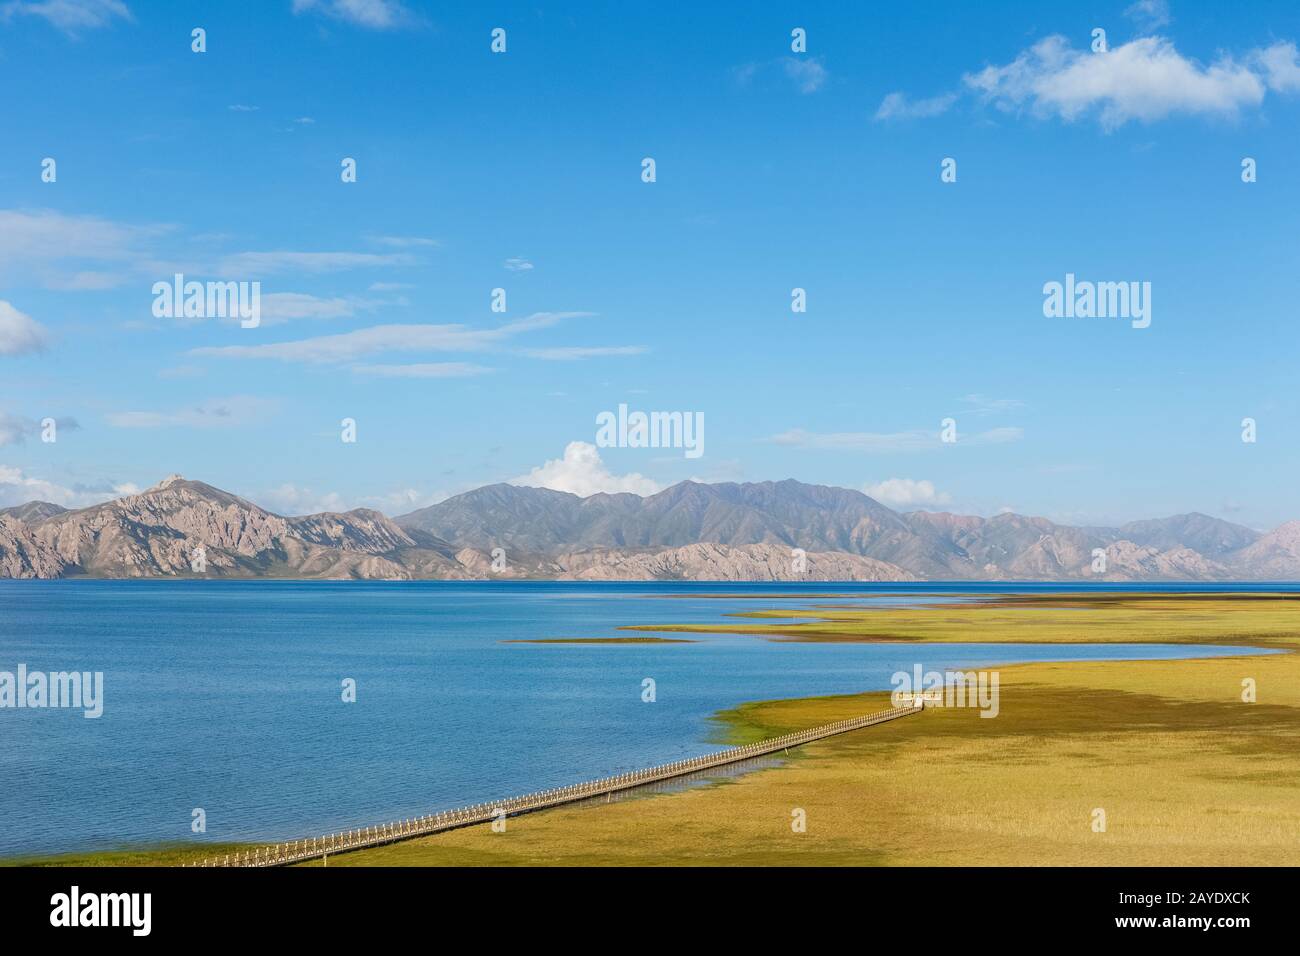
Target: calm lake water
(227, 695)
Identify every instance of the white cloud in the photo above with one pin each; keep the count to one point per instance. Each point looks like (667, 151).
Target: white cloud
(518, 264)
(269, 263)
(349, 346)
(289, 499)
(1145, 79)
(16, 488)
(983, 405)
(898, 106)
(1281, 71)
(404, 500)
(905, 492)
(808, 73)
(1149, 14)
(242, 108)
(573, 353)
(70, 16)
(56, 248)
(14, 430)
(404, 242)
(372, 14)
(45, 235)
(217, 413)
(299, 305)
(56, 251)
(19, 333)
(285, 306)
(423, 370)
(582, 472)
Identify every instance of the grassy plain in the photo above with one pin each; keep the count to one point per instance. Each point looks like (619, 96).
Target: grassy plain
(1185, 771)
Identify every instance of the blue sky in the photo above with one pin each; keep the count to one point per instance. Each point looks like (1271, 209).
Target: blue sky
(775, 170)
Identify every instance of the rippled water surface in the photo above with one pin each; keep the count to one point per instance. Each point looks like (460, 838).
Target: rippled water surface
(227, 695)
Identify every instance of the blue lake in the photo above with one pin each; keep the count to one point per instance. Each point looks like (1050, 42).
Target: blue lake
(227, 695)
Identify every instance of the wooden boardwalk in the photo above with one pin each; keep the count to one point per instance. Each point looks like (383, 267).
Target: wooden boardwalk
(314, 848)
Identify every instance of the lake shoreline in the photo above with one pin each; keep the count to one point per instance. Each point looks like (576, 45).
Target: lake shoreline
(751, 721)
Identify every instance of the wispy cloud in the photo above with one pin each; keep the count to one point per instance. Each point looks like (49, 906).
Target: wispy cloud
(1280, 67)
(89, 253)
(889, 442)
(404, 242)
(17, 487)
(350, 346)
(371, 14)
(897, 106)
(290, 499)
(274, 263)
(70, 16)
(14, 430)
(983, 405)
(277, 308)
(1149, 15)
(32, 238)
(807, 73)
(20, 334)
(518, 264)
(230, 412)
(286, 306)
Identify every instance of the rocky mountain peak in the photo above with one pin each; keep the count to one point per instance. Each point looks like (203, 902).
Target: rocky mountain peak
(693, 530)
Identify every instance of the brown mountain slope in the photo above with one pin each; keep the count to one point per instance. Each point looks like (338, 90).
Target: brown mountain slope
(691, 531)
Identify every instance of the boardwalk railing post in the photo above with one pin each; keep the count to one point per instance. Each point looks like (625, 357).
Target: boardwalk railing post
(282, 853)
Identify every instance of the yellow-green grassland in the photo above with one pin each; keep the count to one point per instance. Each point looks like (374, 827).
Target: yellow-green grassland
(1185, 770)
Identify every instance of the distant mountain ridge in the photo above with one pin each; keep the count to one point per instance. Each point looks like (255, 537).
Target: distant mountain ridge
(764, 531)
(791, 514)
(32, 511)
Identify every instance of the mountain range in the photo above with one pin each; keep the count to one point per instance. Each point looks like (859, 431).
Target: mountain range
(763, 531)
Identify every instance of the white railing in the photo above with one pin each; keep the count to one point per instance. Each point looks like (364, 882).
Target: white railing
(280, 854)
